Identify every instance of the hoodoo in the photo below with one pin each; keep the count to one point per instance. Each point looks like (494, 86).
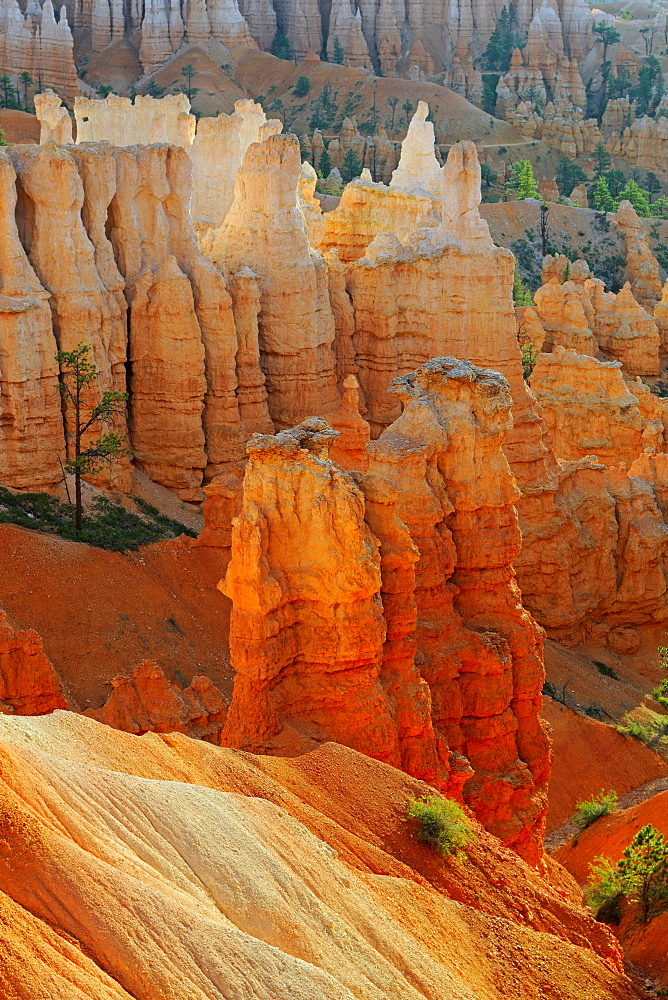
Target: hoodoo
(358, 521)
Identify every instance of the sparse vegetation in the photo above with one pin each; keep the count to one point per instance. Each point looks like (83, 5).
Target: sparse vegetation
(105, 524)
(599, 805)
(604, 669)
(640, 876)
(441, 823)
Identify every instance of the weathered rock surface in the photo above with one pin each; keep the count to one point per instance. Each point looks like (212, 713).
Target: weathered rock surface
(125, 834)
(148, 702)
(29, 684)
(31, 429)
(265, 231)
(590, 410)
(363, 688)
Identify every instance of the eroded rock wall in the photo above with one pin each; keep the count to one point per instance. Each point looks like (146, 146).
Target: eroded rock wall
(330, 620)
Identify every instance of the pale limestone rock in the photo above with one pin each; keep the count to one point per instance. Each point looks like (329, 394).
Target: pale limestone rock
(228, 24)
(217, 153)
(346, 25)
(419, 171)
(309, 205)
(54, 119)
(155, 47)
(149, 120)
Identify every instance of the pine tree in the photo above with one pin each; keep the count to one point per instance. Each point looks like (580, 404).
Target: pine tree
(522, 180)
(638, 198)
(280, 46)
(351, 166)
(77, 377)
(603, 200)
(338, 55)
(643, 871)
(324, 164)
(602, 159)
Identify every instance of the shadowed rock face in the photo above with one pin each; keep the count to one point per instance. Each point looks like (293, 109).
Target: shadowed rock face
(399, 631)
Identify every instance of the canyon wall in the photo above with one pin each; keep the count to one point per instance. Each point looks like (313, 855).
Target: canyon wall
(104, 234)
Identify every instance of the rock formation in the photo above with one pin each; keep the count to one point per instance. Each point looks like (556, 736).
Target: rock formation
(54, 119)
(418, 171)
(148, 702)
(580, 315)
(265, 231)
(31, 429)
(145, 848)
(40, 43)
(590, 410)
(121, 122)
(642, 267)
(29, 684)
(363, 688)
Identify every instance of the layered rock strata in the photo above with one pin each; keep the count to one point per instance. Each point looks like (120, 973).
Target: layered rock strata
(334, 654)
(265, 230)
(590, 410)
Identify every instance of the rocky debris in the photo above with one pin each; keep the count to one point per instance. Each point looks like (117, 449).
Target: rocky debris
(148, 702)
(29, 685)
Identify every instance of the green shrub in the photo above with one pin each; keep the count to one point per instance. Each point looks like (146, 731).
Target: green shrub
(660, 693)
(604, 669)
(441, 823)
(599, 805)
(105, 524)
(604, 890)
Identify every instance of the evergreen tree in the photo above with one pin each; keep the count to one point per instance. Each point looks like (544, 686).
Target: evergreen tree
(351, 166)
(302, 86)
(324, 164)
(26, 82)
(660, 208)
(603, 200)
(103, 90)
(487, 175)
(652, 184)
(188, 71)
(602, 159)
(280, 47)
(638, 198)
(502, 41)
(77, 377)
(153, 90)
(643, 871)
(522, 180)
(615, 180)
(338, 55)
(9, 95)
(568, 175)
(649, 89)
